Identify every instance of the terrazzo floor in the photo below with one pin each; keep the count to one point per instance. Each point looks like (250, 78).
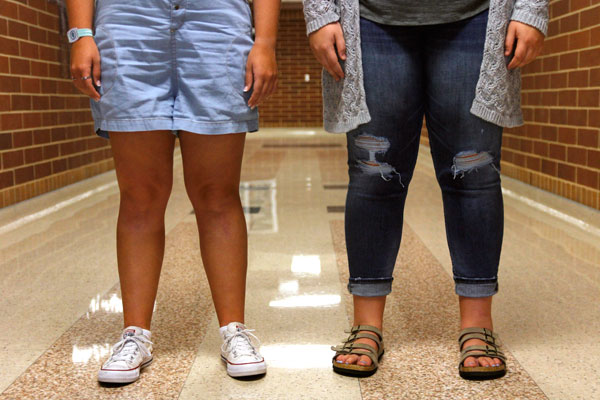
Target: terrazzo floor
(60, 309)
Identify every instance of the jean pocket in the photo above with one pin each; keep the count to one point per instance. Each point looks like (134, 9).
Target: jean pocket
(236, 63)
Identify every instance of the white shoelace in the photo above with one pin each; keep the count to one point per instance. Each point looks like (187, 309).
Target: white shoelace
(240, 343)
(126, 349)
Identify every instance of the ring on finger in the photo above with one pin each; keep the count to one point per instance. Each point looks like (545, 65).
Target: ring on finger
(84, 78)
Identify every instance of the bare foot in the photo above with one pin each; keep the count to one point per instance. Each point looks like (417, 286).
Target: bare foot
(356, 359)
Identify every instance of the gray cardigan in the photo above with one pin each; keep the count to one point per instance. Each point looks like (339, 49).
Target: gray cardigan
(497, 96)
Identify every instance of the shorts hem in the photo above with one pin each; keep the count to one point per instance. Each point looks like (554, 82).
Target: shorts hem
(174, 125)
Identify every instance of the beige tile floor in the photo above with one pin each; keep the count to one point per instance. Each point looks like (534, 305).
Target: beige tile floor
(60, 302)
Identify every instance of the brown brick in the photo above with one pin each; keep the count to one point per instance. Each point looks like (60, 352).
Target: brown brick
(10, 84)
(22, 139)
(557, 152)
(558, 116)
(569, 23)
(38, 35)
(24, 174)
(587, 177)
(558, 8)
(20, 102)
(4, 65)
(42, 136)
(40, 102)
(589, 58)
(540, 148)
(39, 68)
(12, 159)
(566, 172)
(32, 120)
(577, 155)
(579, 40)
(589, 98)
(9, 9)
(593, 158)
(50, 151)
(6, 177)
(589, 17)
(9, 46)
(29, 50)
(28, 15)
(30, 85)
(549, 167)
(549, 133)
(541, 115)
(567, 97)
(550, 63)
(549, 98)
(43, 169)
(577, 117)
(595, 77)
(579, 4)
(578, 78)
(587, 137)
(558, 80)
(5, 141)
(33, 155)
(19, 66)
(594, 118)
(10, 122)
(17, 30)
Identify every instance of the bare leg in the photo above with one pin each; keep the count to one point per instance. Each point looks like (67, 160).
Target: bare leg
(144, 167)
(477, 313)
(212, 165)
(367, 311)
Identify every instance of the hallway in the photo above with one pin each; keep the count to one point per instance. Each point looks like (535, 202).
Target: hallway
(60, 309)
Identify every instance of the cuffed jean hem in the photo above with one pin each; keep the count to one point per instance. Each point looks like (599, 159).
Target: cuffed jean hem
(476, 289)
(370, 288)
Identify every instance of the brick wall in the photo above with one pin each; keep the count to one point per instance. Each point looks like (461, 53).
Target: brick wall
(46, 131)
(558, 148)
(296, 102)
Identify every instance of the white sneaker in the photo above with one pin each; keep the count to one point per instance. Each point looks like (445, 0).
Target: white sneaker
(129, 356)
(239, 353)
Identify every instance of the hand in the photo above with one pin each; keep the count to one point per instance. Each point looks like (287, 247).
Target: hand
(529, 43)
(261, 71)
(323, 44)
(85, 61)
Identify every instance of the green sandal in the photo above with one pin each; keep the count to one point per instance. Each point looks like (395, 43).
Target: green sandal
(350, 347)
(491, 349)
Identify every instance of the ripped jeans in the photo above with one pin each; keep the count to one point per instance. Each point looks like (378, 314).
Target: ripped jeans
(410, 72)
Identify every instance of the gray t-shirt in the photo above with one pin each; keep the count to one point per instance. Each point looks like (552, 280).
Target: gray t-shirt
(420, 12)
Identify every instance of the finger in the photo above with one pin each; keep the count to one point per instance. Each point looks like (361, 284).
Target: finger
(96, 70)
(248, 79)
(519, 56)
(334, 65)
(256, 93)
(88, 88)
(340, 44)
(509, 42)
(529, 57)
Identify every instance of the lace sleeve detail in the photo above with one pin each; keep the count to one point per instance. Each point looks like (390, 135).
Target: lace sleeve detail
(532, 12)
(319, 13)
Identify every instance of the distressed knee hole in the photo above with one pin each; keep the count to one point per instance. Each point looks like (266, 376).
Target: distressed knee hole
(470, 160)
(375, 145)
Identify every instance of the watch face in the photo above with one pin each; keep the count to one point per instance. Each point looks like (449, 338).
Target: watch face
(72, 35)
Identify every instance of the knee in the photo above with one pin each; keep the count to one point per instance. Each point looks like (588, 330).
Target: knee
(214, 198)
(145, 198)
(471, 170)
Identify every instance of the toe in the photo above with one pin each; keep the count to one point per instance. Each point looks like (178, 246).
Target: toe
(364, 361)
(470, 362)
(341, 359)
(497, 362)
(485, 361)
(351, 359)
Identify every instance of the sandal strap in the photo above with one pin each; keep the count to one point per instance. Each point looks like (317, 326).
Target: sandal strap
(366, 335)
(484, 334)
(353, 346)
(368, 328)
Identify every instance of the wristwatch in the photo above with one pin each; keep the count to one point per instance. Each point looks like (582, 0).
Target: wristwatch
(75, 34)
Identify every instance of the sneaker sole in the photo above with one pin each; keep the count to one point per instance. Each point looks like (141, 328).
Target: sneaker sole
(132, 375)
(241, 370)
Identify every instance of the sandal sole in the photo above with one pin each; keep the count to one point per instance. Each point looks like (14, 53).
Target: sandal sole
(481, 375)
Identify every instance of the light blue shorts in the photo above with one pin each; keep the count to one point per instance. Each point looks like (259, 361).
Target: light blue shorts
(173, 65)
